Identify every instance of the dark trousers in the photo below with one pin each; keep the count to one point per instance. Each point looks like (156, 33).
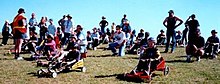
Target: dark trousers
(5, 39)
(171, 34)
(65, 39)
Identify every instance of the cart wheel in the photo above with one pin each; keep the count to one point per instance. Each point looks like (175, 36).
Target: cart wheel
(54, 74)
(166, 70)
(83, 69)
(39, 72)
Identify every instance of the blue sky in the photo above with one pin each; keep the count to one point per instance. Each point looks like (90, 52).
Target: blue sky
(146, 14)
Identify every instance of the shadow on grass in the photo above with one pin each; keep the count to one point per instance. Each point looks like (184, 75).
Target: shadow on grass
(131, 58)
(7, 59)
(32, 73)
(176, 61)
(101, 56)
(122, 77)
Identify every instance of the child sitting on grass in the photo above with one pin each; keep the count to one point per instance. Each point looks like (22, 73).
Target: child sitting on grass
(150, 58)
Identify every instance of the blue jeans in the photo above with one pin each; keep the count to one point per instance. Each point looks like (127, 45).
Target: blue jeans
(121, 48)
(171, 34)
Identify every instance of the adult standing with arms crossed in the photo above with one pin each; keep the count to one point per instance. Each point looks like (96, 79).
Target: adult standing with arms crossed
(170, 24)
(19, 30)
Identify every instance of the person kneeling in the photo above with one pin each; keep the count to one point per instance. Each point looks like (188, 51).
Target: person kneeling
(195, 47)
(149, 59)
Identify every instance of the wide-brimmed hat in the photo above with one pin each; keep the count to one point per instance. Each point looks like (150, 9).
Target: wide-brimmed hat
(69, 16)
(21, 10)
(103, 17)
(170, 11)
(214, 31)
(161, 30)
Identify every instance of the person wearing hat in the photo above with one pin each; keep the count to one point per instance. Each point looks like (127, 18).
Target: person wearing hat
(161, 38)
(81, 40)
(149, 53)
(32, 22)
(196, 47)
(95, 37)
(5, 33)
(68, 28)
(170, 24)
(103, 23)
(192, 24)
(51, 28)
(212, 45)
(19, 27)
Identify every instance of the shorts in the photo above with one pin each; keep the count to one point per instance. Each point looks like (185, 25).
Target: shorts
(83, 49)
(19, 35)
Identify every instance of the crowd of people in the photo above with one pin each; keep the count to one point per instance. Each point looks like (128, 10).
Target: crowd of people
(66, 36)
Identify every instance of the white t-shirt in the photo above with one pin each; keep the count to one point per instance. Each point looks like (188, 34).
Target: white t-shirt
(119, 38)
(95, 35)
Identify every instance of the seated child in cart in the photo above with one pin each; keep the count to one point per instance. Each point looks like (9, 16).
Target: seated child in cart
(67, 59)
(149, 59)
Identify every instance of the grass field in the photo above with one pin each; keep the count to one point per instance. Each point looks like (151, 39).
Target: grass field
(105, 69)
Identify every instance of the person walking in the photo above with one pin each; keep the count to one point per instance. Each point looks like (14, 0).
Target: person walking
(170, 24)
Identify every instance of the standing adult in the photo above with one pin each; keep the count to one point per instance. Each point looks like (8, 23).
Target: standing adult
(170, 24)
(184, 38)
(43, 28)
(61, 23)
(51, 28)
(32, 23)
(103, 23)
(68, 26)
(19, 30)
(81, 40)
(123, 20)
(5, 33)
(192, 25)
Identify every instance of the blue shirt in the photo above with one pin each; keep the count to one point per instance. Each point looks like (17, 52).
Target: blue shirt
(33, 21)
(68, 24)
(52, 29)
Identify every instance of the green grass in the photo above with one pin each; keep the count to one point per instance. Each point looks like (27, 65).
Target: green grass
(103, 68)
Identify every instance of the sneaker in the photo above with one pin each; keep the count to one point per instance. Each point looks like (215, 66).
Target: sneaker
(20, 58)
(198, 59)
(95, 48)
(214, 56)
